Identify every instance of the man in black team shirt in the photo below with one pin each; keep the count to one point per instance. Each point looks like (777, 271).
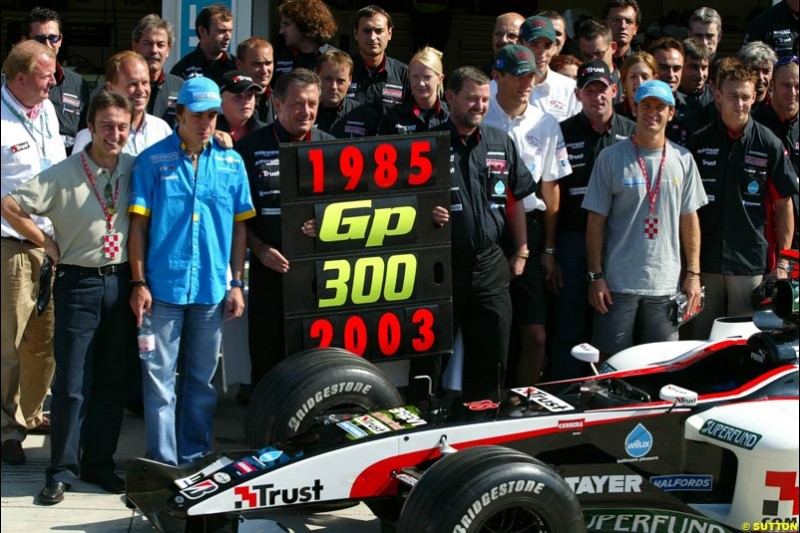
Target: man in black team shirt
(338, 115)
(70, 95)
(296, 103)
(254, 57)
(214, 27)
(378, 79)
(777, 26)
(781, 117)
(585, 136)
(748, 180)
(669, 56)
(485, 167)
(306, 26)
(759, 58)
(695, 74)
(152, 38)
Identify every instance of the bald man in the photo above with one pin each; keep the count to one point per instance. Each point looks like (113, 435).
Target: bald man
(506, 31)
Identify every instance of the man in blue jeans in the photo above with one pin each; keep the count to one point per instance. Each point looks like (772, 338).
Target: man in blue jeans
(189, 200)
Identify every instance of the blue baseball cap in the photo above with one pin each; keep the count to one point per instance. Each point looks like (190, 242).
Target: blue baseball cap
(200, 94)
(655, 89)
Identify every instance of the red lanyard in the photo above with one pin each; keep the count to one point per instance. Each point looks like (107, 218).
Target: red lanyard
(651, 194)
(106, 212)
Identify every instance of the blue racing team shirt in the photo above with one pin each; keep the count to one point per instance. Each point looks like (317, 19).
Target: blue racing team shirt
(191, 218)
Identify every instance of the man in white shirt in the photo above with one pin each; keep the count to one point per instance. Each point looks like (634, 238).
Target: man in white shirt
(30, 143)
(541, 147)
(552, 92)
(127, 73)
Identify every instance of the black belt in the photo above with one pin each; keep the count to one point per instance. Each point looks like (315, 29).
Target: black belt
(18, 240)
(96, 271)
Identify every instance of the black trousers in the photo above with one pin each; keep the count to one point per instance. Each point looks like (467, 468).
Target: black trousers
(482, 309)
(265, 320)
(95, 336)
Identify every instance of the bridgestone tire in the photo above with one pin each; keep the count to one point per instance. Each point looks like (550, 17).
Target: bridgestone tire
(490, 488)
(309, 384)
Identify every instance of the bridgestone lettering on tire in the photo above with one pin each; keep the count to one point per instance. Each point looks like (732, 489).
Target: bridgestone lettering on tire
(310, 384)
(490, 488)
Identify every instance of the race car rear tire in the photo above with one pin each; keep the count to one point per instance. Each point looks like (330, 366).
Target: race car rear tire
(490, 488)
(311, 383)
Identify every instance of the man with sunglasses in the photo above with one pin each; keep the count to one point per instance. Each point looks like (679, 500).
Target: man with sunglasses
(70, 95)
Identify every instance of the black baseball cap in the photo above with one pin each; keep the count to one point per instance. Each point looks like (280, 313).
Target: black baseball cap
(595, 70)
(237, 82)
(514, 59)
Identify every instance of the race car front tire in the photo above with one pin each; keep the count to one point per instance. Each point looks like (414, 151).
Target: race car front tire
(490, 488)
(311, 383)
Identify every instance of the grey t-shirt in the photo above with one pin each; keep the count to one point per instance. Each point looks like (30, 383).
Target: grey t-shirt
(633, 263)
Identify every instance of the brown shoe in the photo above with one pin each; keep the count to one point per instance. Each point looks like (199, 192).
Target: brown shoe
(12, 452)
(43, 428)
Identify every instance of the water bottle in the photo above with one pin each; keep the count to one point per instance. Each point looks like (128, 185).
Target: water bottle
(147, 339)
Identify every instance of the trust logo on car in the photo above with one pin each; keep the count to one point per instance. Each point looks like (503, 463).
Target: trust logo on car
(639, 442)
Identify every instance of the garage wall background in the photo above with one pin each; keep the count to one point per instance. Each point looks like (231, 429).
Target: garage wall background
(95, 29)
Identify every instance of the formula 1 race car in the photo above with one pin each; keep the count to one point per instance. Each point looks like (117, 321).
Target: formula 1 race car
(705, 440)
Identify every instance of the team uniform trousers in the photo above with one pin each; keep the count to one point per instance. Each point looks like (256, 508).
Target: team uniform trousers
(95, 335)
(265, 312)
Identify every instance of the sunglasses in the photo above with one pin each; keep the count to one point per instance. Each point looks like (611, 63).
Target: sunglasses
(785, 60)
(52, 38)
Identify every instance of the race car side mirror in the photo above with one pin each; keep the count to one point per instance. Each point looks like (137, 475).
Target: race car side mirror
(588, 354)
(678, 396)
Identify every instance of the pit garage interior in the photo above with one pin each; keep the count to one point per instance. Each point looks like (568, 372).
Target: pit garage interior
(96, 29)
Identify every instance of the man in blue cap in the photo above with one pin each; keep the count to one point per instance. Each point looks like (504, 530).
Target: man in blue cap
(642, 198)
(188, 202)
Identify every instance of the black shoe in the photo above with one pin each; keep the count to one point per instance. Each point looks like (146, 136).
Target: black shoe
(12, 452)
(108, 481)
(53, 493)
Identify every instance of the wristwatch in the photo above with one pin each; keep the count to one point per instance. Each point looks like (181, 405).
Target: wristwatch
(594, 276)
(522, 253)
(237, 283)
(550, 251)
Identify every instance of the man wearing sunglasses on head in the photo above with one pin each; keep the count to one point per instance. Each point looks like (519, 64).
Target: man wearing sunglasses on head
(70, 95)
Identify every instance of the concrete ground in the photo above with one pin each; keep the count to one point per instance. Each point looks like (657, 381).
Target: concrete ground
(88, 509)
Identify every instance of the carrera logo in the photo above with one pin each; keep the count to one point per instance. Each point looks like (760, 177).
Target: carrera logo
(268, 496)
(510, 487)
(327, 392)
(755, 161)
(615, 484)
(576, 426)
(497, 165)
(359, 220)
(20, 147)
(201, 489)
(237, 79)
